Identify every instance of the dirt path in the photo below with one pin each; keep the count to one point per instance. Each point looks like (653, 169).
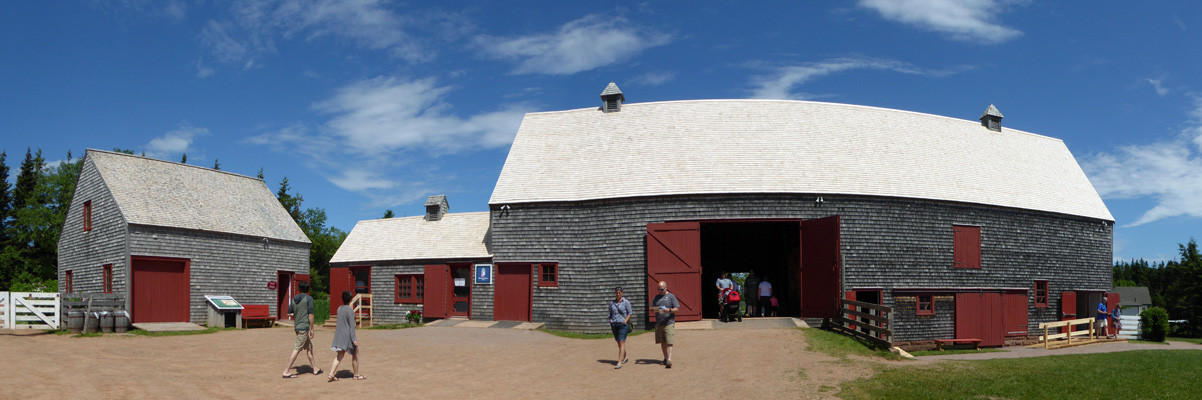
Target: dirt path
(1023, 351)
(428, 362)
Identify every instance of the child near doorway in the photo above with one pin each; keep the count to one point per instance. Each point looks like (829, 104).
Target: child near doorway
(774, 304)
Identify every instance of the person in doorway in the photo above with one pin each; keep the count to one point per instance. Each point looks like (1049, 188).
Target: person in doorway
(301, 309)
(665, 306)
(723, 283)
(619, 322)
(774, 306)
(345, 340)
(765, 296)
(1102, 314)
(751, 283)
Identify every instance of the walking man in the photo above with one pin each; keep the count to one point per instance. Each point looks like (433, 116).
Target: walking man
(765, 297)
(301, 308)
(751, 283)
(665, 306)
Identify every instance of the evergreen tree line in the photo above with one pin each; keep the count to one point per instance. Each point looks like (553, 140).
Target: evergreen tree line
(33, 209)
(1174, 285)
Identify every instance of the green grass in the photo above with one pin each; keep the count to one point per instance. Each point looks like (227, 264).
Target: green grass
(952, 351)
(141, 332)
(1185, 339)
(840, 345)
(577, 335)
(321, 311)
(396, 326)
(1146, 374)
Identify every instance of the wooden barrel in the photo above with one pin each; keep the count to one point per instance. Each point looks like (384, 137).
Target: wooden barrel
(91, 322)
(106, 322)
(120, 321)
(75, 322)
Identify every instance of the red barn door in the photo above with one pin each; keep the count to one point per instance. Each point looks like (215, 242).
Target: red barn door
(513, 292)
(674, 256)
(340, 281)
(1112, 302)
(1068, 308)
(435, 298)
(161, 290)
(820, 267)
(980, 316)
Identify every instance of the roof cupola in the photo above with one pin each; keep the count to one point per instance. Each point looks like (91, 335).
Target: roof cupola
(436, 207)
(992, 119)
(612, 98)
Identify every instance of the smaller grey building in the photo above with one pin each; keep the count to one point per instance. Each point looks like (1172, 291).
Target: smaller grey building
(1134, 300)
(427, 263)
(166, 234)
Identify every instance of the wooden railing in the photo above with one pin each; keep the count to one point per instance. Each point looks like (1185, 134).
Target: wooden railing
(866, 321)
(1071, 324)
(361, 305)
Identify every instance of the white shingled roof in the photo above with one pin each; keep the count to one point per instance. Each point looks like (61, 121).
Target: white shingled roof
(778, 146)
(455, 236)
(162, 193)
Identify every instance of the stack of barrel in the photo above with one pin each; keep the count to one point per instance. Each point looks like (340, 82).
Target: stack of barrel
(103, 321)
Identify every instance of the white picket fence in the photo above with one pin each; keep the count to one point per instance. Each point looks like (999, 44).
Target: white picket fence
(1130, 327)
(30, 310)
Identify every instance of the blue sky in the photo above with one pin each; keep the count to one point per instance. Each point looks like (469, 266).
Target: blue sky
(367, 105)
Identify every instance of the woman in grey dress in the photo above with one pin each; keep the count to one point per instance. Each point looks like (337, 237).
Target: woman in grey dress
(345, 340)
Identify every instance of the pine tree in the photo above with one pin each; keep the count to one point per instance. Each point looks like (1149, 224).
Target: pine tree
(217, 164)
(261, 173)
(6, 201)
(27, 179)
(388, 214)
(184, 160)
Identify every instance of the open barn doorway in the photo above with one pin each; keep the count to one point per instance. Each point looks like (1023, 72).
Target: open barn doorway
(771, 248)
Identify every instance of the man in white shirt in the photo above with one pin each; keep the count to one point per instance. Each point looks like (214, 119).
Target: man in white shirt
(765, 296)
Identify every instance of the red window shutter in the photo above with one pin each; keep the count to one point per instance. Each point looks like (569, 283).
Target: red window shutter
(87, 215)
(1041, 294)
(108, 278)
(340, 281)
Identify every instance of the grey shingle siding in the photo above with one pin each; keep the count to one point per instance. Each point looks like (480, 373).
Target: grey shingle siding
(85, 253)
(223, 264)
(383, 288)
(886, 242)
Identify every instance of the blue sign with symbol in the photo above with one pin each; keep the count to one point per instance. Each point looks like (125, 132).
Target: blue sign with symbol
(483, 274)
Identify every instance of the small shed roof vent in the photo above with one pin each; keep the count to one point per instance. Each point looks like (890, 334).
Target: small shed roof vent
(612, 98)
(992, 119)
(436, 207)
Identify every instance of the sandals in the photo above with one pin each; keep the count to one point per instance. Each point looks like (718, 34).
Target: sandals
(289, 376)
(360, 377)
(318, 372)
(331, 378)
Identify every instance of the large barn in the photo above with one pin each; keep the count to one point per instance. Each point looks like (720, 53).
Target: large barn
(965, 228)
(165, 234)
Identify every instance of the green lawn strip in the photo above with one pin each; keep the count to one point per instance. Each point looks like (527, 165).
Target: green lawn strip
(952, 351)
(1184, 339)
(1147, 374)
(395, 326)
(840, 345)
(577, 335)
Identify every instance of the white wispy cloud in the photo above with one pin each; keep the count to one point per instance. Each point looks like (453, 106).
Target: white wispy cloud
(203, 71)
(581, 45)
(175, 142)
(170, 9)
(1158, 85)
(654, 78)
(780, 82)
(381, 132)
(1169, 171)
(962, 20)
(253, 27)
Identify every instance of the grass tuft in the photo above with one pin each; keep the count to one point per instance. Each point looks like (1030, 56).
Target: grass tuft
(952, 351)
(395, 326)
(840, 345)
(1146, 374)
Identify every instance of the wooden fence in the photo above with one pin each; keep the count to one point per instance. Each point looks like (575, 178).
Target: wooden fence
(866, 321)
(1072, 324)
(30, 310)
(361, 305)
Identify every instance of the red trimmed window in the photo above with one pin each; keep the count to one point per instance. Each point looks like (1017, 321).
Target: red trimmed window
(108, 278)
(70, 282)
(548, 274)
(1041, 294)
(926, 305)
(966, 246)
(410, 288)
(87, 215)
